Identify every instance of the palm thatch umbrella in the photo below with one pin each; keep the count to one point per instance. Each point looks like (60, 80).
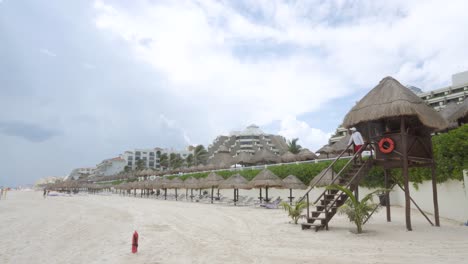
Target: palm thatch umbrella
(164, 184)
(461, 114)
(288, 157)
(306, 154)
(244, 158)
(175, 184)
(222, 157)
(391, 99)
(448, 112)
(235, 182)
(324, 178)
(292, 182)
(326, 149)
(211, 181)
(266, 179)
(191, 183)
(265, 157)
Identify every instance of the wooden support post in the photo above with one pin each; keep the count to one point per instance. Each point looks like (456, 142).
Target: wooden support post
(387, 194)
(434, 195)
(308, 205)
(266, 194)
(212, 190)
(176, 194)
(404, 146)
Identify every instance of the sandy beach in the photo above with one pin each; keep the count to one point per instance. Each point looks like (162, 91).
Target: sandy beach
(98, 229)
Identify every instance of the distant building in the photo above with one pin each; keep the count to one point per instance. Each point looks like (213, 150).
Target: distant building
(151, 156)
(110, 167)
(77, 173)
(456, 93)
(250, 140)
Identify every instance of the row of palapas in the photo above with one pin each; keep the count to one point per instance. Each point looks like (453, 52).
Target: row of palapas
(265, 179)
(220, 160)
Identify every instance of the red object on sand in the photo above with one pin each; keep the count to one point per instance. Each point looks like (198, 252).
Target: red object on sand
(135, 242)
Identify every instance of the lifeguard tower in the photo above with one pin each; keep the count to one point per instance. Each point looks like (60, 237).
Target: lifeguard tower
(397, 127)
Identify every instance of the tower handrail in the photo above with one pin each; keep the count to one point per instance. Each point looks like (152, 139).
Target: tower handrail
(331, 166)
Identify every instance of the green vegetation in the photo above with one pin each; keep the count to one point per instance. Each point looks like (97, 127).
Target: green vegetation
(357, 211)
(294, 211)
(293, 147)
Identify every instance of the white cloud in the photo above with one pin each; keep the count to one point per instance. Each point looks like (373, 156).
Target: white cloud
(47, 52)
(321, 50)
(309, 137)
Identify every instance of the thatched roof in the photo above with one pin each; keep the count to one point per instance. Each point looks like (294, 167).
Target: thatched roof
(306, 154)
(448, 113)
(244, 158)
(340, 145)
(236, 181)
(266, 178)
(326, 149)
(292, 182)
(222, 159)
(288, 157)
(176, 183)
(192, 183)
(264, 156)
(391, 99)
(165, 183)
(212, 180)
(461, 112)
(326, 180)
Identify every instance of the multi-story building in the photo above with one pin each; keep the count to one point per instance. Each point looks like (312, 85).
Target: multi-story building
(110, 167)
(251, 140)
(151, 157)
(80, 172)
(457, 92)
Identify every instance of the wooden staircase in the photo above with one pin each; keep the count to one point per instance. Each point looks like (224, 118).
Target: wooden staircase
(327, 204)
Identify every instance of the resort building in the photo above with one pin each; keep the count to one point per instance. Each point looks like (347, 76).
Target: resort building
(250, 140)
(456, 93)
(80, 172)
(151, 156)
(110, 167)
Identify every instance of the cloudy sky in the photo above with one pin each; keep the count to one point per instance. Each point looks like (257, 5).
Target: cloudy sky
(81, 81)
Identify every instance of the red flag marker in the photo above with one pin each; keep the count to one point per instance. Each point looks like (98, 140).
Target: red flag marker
(135, 242)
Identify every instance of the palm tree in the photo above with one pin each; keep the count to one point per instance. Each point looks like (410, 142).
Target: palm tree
(164, 160)
(175, 160)
(357, 211)
(189, 160)
(293, 147)
(200, 154)
(140, 164)
(294, 211)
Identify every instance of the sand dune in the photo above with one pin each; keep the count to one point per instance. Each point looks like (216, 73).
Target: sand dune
(98, 229)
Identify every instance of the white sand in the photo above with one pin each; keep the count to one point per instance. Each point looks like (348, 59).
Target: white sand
(98, 229)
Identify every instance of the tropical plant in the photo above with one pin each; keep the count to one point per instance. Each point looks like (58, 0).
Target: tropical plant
(140, 164)
(164, 160)
(189, 160)
(294, 211)
(200, 155)
(293, 147)
(175, 160)
(357, 211)
(127, 169)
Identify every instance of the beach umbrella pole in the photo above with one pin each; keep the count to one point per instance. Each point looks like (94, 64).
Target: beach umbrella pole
(212, 188)
(176, 194)
(261, 198)
(165, 193)
(290, 196)
(266, 194)
(191, 195)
